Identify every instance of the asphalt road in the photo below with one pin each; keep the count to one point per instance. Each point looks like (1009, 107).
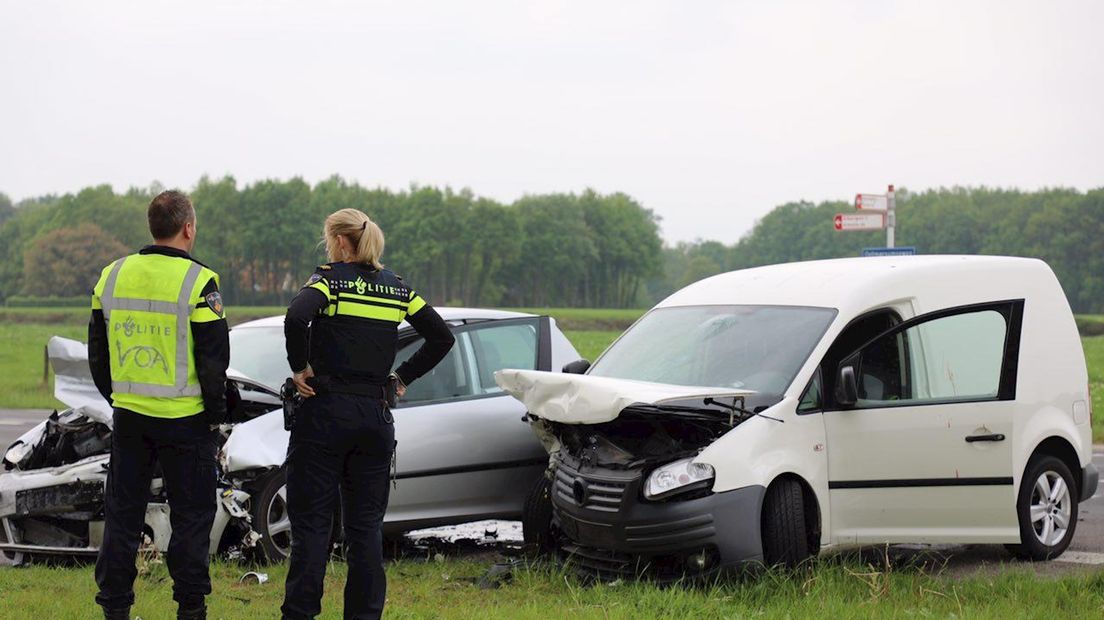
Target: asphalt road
(1086, 551)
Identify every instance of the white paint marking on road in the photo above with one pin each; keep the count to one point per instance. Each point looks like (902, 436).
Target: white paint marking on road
(1081, 557)
(14, 423)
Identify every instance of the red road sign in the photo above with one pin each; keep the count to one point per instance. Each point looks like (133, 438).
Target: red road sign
(859, 221)
(872, 202)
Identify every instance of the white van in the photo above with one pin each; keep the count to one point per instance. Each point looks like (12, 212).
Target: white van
(764, 414)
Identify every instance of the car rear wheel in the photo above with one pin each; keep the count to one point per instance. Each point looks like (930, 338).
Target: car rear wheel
(268, 508)
(785, 541)
(536, 519)
(1047, 510)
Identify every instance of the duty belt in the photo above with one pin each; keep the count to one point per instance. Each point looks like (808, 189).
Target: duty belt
(337, 385)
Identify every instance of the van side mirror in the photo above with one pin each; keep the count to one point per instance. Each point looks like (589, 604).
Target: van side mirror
(847, 386)
(577, 367)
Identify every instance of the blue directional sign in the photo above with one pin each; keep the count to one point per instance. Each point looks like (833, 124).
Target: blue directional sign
(905, 251)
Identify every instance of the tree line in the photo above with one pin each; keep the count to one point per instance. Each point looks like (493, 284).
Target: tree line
(1064, 227)
(586, 249)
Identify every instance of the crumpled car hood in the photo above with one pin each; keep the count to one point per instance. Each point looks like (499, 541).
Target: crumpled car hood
(583, 399)
(73, 383)
(73, 386)
(261, 442)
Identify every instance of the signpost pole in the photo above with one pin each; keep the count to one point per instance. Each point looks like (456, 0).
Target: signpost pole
(891, 216)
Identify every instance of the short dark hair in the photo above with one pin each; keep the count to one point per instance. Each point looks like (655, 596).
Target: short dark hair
(168, 212)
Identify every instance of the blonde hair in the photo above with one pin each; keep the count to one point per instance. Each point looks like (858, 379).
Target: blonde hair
(360, 230)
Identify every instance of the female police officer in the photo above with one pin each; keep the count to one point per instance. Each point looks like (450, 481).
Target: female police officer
(341, 332)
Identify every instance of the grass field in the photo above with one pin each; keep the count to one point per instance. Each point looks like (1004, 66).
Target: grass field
(830, 588)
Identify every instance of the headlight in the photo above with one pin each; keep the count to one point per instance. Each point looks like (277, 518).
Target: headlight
(678, 477)
(16, 453)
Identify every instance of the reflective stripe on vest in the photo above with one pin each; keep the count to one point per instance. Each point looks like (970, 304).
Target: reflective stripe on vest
(182, 310)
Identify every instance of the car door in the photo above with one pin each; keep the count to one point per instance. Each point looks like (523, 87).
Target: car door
(463, 449)
(925, 452)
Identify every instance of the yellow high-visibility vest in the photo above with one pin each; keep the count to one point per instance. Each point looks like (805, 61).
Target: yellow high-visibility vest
(149, 302)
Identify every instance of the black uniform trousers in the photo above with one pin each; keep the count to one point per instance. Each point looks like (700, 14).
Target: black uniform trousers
(341, 446)
(185, 448)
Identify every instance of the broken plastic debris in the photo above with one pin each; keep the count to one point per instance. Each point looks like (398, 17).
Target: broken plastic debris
(253, 578)
(498, 574)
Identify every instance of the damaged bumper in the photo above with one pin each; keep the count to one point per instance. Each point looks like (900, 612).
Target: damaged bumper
(56, 510)
(59, 511)
(612, 531)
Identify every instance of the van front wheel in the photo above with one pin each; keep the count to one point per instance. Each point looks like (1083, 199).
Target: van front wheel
(785, 541)
(1047, 510)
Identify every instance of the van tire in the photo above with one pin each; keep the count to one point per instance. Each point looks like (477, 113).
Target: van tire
(1030, 547)
(785, 542)
(536, 518)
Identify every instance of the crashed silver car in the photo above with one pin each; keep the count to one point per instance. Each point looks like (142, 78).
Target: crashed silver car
(464, 453)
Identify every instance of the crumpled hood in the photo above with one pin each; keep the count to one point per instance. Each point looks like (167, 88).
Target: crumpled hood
(73, 383)
(582, 399)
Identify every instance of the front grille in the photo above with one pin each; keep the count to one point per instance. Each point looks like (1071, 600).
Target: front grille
(598, 492)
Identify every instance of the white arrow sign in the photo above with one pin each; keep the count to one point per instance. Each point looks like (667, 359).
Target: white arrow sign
(872, 202)
(859, 221)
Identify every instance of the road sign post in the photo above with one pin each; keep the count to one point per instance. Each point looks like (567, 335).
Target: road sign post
(891, 217)
(874, 212)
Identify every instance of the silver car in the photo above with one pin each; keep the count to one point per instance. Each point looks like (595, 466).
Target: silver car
(464, 451)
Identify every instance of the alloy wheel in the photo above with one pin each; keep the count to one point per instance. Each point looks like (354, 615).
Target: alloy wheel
(1051, 508)
(279, 524)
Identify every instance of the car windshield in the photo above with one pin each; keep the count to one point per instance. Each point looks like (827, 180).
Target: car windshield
(758, 348)
(258, 353)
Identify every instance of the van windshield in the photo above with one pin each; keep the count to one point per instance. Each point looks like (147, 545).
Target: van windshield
(758, 348)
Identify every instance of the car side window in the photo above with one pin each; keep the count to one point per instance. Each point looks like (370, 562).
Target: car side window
(495, 347)
(450, 380)
(947, 358)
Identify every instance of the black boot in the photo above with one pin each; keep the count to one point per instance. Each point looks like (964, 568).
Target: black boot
(191, 612)
(120, 613)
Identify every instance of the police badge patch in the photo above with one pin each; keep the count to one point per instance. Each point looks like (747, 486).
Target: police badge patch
(214, 301)
(314, 278)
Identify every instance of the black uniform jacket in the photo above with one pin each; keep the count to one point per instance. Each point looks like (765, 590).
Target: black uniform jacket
(345, 321)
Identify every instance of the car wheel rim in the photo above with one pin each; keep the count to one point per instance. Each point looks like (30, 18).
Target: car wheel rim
(1051, 508)
(279, 524)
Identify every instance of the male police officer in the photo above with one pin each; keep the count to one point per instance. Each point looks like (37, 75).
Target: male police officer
(158, 348)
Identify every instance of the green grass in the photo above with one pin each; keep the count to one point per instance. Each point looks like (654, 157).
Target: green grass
(831, 588)
(591, 343)
(22, 347)
(589, 319)
(1094, 359)
(79, 316)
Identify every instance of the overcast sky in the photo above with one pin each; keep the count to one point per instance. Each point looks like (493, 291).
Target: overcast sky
(709, 113)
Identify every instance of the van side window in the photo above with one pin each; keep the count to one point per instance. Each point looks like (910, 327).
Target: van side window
(811, 399)
(949, 358)
(857, 333)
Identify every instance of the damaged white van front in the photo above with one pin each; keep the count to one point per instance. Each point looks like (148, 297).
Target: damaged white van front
(760, 415)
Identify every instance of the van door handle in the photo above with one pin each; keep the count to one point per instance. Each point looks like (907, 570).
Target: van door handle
(990, 437)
